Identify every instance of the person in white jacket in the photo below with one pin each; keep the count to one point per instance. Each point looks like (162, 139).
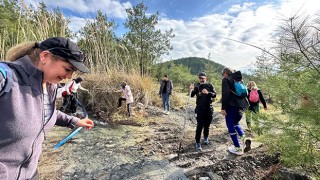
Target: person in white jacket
(70, 95)
(127, 96)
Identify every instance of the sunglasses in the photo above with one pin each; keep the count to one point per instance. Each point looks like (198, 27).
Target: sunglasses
(68, 53)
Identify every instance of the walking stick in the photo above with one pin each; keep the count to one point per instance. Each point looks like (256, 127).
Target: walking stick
(184, 123)
(73, 133)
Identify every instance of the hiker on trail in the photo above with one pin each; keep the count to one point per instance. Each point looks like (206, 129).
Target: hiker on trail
(27, 104)
(205, 92)
(127, 96)
(165, 93)
(254, 97)
(233, 107)
(70, 95)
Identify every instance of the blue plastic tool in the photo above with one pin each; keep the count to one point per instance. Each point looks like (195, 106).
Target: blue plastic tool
(75, 131)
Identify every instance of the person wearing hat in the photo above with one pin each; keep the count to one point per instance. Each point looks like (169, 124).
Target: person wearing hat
(28, 109)
(71, 94)
(205, 93)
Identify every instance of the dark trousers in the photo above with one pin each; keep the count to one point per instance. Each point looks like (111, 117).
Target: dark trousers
(204, 119)
(69, 103)
(66, 101)
(128, 105)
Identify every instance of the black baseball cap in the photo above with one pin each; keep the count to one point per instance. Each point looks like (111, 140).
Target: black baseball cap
(66, 49)
(202, 75)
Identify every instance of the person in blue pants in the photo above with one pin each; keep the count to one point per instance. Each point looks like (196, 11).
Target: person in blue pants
(165, 93)
(233, 107)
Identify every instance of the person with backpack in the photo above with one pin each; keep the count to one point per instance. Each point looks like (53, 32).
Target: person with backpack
(254, 96)
(127, 96)
(70, 95)
(234, 103)
(205, 92)
(28, 98)
(165, 93)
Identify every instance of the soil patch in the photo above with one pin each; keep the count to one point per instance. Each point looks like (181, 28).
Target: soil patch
(150, 151)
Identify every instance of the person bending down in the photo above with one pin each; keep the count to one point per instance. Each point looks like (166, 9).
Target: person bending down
(127, 96)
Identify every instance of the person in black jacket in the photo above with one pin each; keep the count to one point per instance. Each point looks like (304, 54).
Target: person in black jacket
(254, 106)
(233, 108)
(165, 92)
(205, 92)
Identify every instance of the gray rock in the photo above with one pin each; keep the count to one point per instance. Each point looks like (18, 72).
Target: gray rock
(214, 176)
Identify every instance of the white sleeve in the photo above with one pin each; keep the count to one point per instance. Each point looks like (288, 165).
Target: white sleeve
(82, 88)
(127, 88)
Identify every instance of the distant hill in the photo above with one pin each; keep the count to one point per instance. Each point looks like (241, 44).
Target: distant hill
(197, 64)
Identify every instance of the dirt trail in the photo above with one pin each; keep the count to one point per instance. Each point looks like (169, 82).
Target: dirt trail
(150, 152)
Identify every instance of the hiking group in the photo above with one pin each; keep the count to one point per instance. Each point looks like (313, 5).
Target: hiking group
(236, 99)
(28, 90)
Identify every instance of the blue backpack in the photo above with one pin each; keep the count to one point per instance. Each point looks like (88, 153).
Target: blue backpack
(240, 88)
(7, 74)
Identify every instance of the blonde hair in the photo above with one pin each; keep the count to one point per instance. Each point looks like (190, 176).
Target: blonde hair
(22, 49)
(252, 85)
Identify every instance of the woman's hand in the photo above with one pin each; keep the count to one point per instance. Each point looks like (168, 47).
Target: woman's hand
(86, 123)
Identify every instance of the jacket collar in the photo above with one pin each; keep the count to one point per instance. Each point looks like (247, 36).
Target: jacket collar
(34, 74)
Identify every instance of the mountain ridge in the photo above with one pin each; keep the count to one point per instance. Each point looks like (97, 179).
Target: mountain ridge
(197, 64)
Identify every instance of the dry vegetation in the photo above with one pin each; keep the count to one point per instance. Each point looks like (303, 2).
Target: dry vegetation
(102, 99)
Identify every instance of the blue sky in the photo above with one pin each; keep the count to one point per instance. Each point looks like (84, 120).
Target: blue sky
(199, 25)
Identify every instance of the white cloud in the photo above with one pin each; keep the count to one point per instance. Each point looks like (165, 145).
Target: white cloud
(249, 22)
(113, 8)
(246, 22)
(238, 7)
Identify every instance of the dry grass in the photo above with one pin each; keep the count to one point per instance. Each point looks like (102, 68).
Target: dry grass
(102, 99)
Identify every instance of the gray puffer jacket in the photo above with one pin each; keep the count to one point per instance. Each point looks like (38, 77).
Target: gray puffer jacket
(22, 127)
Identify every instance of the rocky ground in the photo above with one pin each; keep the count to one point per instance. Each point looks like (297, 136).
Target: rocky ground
(149, 150)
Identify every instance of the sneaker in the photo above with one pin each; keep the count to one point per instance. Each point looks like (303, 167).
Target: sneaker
(206, 141)
(168, 112)
(198, 147)
(247, 145)
(235, 150)
(164, 112)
